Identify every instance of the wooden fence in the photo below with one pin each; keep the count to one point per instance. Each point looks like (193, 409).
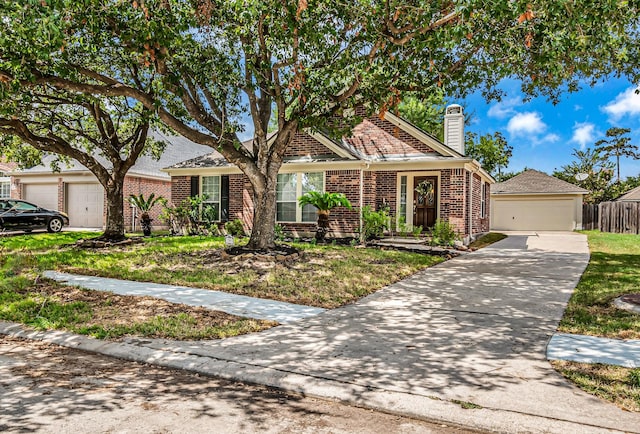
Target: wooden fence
(618, 217)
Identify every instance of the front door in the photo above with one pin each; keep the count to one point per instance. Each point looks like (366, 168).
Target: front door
(425, 201)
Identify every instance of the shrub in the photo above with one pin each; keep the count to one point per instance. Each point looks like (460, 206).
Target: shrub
(443, 234)
(278, 230)
(235, 228)
(187, 219)
(374, 223)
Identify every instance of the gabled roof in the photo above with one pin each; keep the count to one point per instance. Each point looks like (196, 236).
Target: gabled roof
(6, 166)
(535, 182)
(630, 196)
(369, 143)
(177, 149)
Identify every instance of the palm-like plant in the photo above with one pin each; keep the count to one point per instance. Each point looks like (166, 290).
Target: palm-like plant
(145, 205)
(324, 202)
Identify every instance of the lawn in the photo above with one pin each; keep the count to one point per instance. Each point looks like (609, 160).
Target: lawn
(613, 270)
(327, 276)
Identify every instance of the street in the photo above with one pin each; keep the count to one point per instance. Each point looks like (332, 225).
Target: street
(46, 388)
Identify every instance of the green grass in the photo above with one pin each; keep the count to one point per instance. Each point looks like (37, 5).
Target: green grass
(613, 270)
(99, 316)
(618, 385)
(328, 276)
(486, 240)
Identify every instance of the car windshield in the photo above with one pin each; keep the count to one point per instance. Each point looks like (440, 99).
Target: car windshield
(22, 206)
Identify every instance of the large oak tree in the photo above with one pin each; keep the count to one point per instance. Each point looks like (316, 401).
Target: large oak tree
(213, 63)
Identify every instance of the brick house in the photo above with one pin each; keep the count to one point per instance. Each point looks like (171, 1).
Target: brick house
(387, 162)
(5, 180)
(76, 191)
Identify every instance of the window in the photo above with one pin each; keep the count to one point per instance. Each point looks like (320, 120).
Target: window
(289, 188)
(211, 191)
(402, 217)
(5, 187)
(483, 200)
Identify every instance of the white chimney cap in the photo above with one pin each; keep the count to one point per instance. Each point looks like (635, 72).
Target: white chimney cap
(454, 109)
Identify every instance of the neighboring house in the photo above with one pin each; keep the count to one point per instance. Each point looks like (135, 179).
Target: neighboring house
(387, 162)
(632, 195)
(5, 179)
(75, 190)
(534, 200)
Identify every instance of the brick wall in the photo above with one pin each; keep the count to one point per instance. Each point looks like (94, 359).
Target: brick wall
(236, 194)
(480, 224)
(454, 198)
(16, 189)
(180, 189)
(303, 144)
(342, 220)
(136, 185)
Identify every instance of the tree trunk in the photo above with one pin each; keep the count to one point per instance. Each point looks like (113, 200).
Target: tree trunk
(114, 230)
(264, 212)
(323, 225)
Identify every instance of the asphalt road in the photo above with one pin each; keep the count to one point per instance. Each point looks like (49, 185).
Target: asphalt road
(46, 388)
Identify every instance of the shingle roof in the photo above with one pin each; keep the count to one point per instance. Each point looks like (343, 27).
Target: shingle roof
(630, 196)
(178, 148)
(535, 182)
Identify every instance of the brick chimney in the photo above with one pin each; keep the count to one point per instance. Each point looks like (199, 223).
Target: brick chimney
(454, 128)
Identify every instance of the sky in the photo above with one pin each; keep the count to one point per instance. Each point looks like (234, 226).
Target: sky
(544, 136)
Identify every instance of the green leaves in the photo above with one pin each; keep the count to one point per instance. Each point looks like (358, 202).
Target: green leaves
(324, 201)
(491, 150)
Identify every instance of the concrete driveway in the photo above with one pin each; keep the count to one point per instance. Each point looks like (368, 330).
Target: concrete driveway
(470, 332)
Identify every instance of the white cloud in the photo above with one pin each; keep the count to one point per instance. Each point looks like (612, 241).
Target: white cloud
(502, 109)
(626, 103)
(584, 133)
(529, 123)
(550, 138)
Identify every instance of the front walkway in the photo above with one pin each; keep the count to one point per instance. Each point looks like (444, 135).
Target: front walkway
(462, 342)
(240, 305)
(592, 349)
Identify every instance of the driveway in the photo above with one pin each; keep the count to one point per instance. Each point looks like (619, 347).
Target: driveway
(471, 331)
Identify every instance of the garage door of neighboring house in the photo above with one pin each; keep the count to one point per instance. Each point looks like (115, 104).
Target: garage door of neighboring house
(533, 215)
(85, 205)
(43, 195)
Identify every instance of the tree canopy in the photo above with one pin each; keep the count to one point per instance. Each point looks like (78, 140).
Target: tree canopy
(617, 144)
(589, 170)
(204, 67)
(491, 150)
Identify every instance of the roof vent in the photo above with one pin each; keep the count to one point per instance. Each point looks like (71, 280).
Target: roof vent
(454, 128)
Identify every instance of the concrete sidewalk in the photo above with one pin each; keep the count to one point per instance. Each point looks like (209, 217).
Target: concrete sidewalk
(240, 305)
(469, 332)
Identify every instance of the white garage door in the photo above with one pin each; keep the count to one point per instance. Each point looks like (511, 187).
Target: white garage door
(85, 205)
(43, 195)
(533, 215)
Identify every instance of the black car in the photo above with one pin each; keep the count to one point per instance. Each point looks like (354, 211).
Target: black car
(24, 216)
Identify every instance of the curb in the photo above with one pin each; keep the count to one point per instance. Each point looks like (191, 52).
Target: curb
(415, 406)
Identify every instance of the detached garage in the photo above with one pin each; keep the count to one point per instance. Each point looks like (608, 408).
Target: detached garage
(535, 201)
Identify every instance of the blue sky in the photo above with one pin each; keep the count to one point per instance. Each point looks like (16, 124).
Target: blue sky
(543, 136)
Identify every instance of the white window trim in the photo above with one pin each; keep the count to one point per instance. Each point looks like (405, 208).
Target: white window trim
(5, 180)
(200, 189)
(299, 193)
